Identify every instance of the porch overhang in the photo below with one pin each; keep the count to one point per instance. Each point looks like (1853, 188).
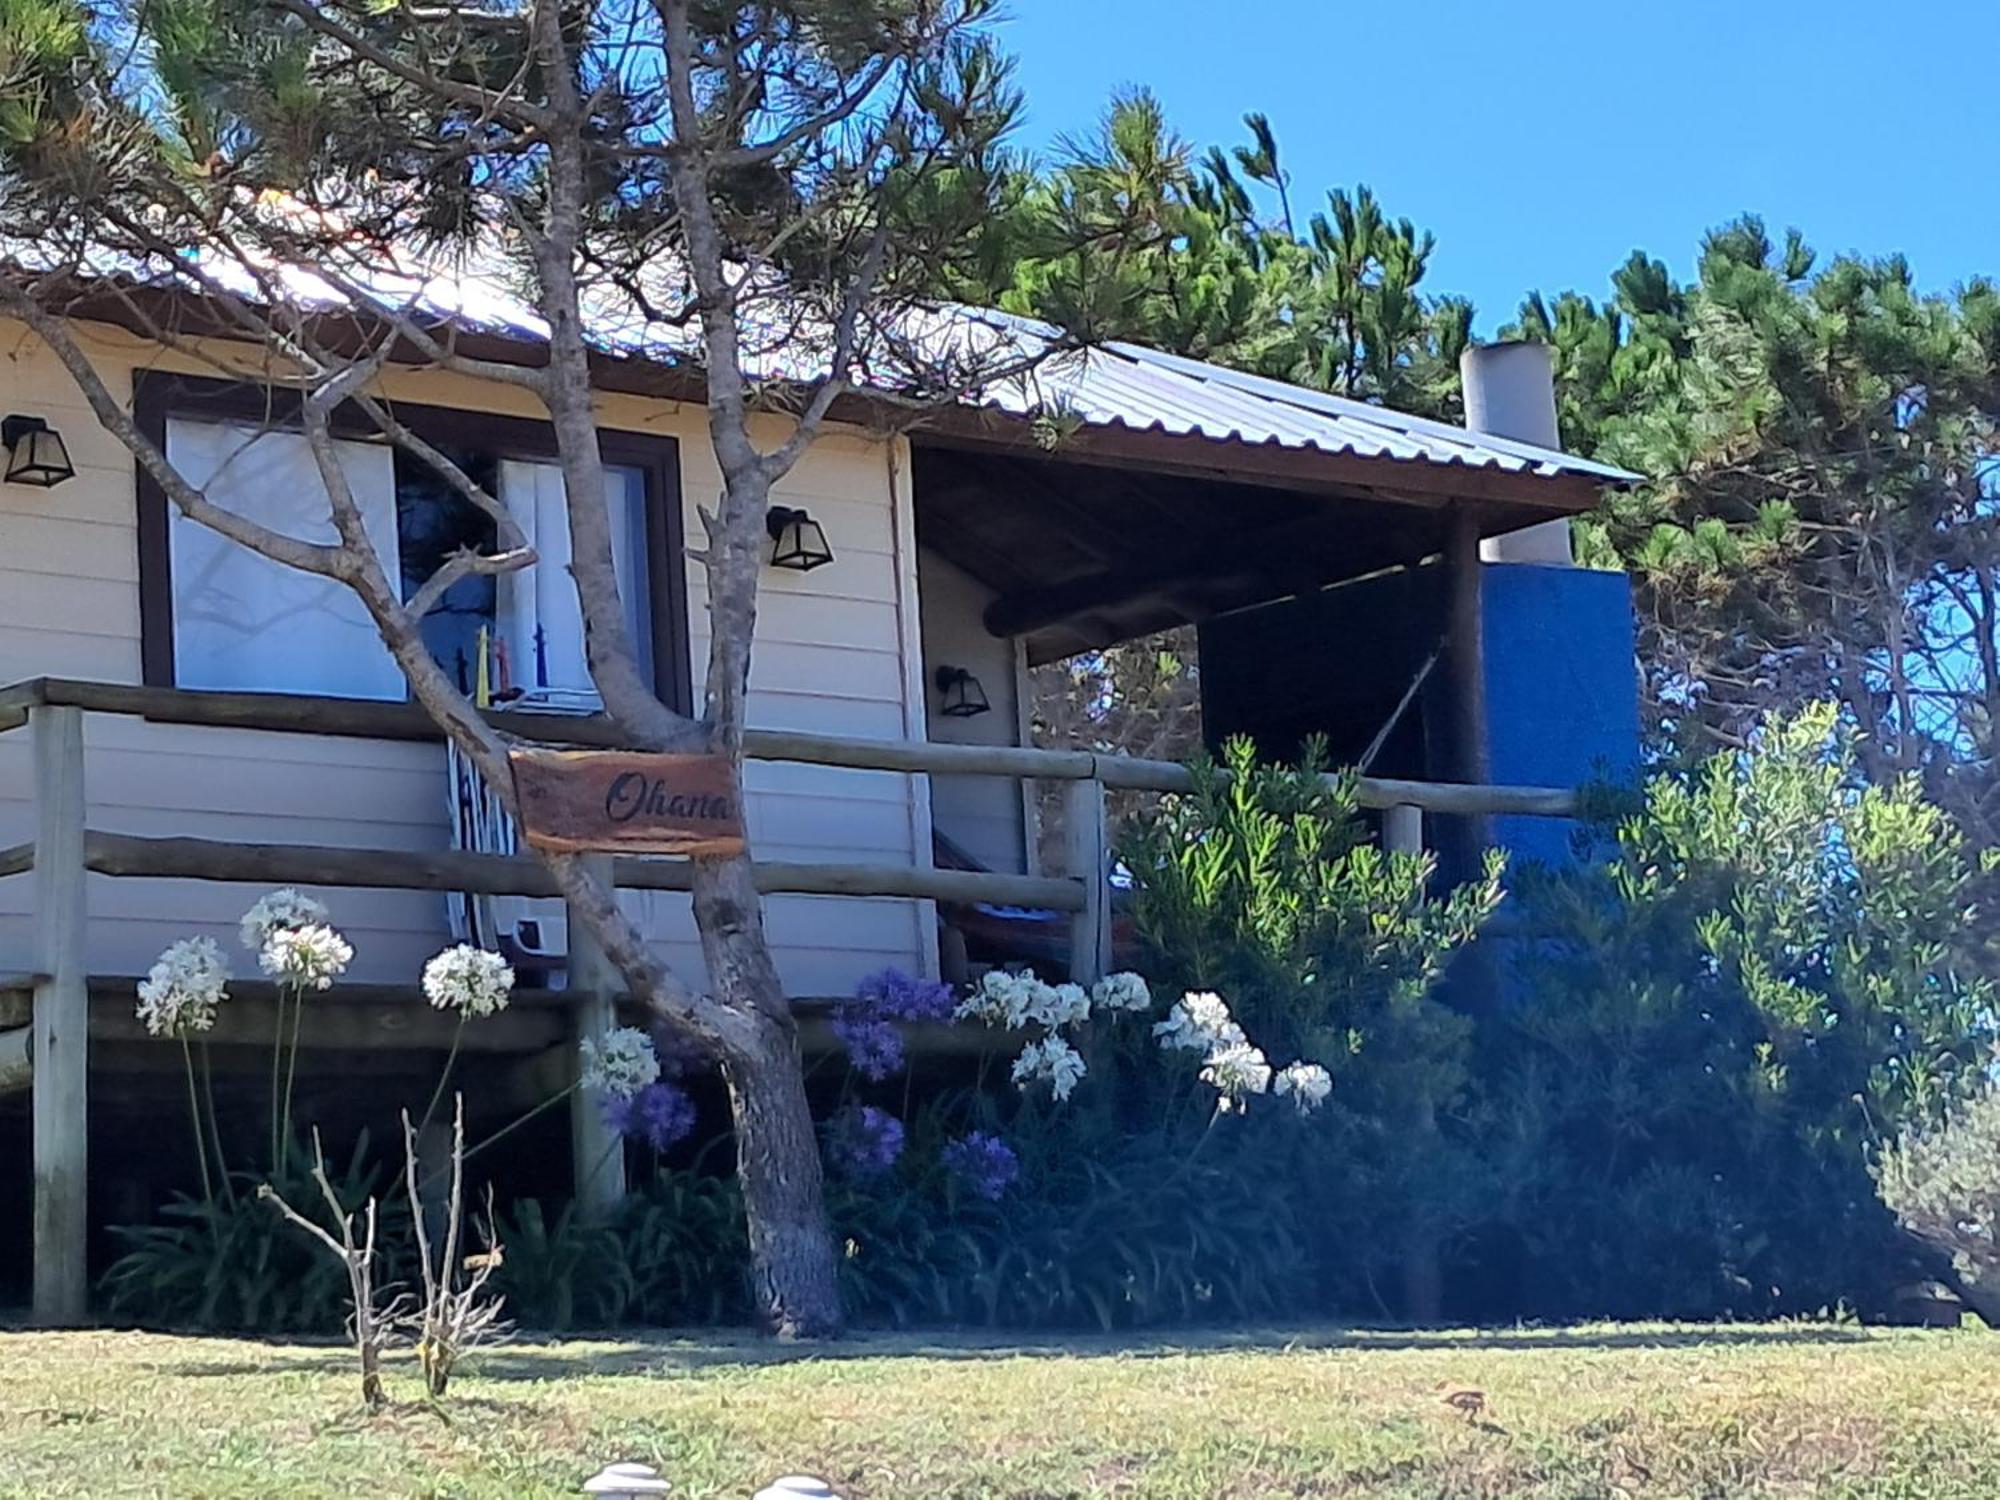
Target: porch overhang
(1115, 533)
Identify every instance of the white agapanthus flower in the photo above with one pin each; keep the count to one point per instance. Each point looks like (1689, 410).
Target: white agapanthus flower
(1005, 999)
(1199, 1022)
(1307, 1084)
(1051, 1060)
(182, 993)
(1060, 1005)
(619, 1063)
(280, 911)
(468, 980)
(309, 957)
(1236, 1070)
(1126, 991)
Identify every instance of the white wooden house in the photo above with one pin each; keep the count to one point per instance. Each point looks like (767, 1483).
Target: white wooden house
(1185, 492)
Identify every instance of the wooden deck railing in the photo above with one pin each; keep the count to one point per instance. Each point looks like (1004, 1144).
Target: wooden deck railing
(51, 1050)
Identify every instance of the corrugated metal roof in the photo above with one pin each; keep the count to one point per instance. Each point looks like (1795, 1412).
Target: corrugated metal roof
(1126, 385)
(1114, 385)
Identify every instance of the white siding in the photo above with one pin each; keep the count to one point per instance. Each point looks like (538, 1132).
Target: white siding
(836, 652)
(981, 814)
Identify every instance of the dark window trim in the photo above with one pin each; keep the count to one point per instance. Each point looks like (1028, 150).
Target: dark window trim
(158, 395)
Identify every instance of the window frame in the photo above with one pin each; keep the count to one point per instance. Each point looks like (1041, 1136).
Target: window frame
(158, 396)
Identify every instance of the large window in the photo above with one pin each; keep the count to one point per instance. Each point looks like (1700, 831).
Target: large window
(219, 616)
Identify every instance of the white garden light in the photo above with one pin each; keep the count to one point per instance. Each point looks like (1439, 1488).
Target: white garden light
(626, 1481)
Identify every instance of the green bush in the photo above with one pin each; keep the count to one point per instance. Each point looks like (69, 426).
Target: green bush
(1266, 885)
(1943, 1183)
(1147, 1238)
(1772, 964)
(560, 1273)
(232, 1264)
(682, 1241)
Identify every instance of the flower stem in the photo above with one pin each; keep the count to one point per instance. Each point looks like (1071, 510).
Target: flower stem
(291, 1072)
(444, 1077)
(194, 1118)
(277, 1068)
(215, 1125)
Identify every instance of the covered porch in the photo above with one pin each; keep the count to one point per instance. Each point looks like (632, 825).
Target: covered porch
(68, 1035)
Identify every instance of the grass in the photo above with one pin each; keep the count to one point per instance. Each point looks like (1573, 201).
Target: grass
(1623, 1411)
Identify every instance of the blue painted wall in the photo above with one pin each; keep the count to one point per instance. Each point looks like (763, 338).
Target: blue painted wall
(1561, 695)
(1562, 700)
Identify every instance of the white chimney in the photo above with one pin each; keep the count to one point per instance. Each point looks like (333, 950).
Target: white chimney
(1510, 392)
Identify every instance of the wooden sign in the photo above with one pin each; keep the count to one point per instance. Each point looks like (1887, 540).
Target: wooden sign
(576, 801)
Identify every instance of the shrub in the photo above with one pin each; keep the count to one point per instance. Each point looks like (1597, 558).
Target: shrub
(1265, 883)
(561, 1273)
(1772, 963)
(1146, 1238)
(1943, 1183)
(230, 1263)
(685, 1259)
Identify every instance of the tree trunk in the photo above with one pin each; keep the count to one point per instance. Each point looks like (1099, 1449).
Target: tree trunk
(777, 1163)
(777, 1154)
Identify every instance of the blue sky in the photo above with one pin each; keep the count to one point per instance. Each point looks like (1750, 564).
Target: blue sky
(1542, 141)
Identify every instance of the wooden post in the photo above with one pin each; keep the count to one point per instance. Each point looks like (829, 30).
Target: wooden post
(597, 1154)
(1085, 836)
(1403, 829)
(61, 1023)
(1465, 681)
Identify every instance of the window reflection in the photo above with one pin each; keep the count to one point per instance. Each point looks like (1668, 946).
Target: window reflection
(435, 521)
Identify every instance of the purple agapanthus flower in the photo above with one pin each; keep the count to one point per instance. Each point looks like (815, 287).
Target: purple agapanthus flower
(864, 1141)
(893, 995)
(865, 1024)
(659, 1115)
(984, 1163)
(874, 1048)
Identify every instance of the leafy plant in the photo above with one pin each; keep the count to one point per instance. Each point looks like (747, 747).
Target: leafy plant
(1943, 1183)
(1265, 884)
(1774, 963)
(1147, 1239)
(680, 1238)
(230, 1263)
(560, 1273)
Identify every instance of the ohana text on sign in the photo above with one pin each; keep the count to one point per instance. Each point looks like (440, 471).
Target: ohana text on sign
(629, 801)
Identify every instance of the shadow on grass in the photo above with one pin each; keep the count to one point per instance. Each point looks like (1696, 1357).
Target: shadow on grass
(665, 1352)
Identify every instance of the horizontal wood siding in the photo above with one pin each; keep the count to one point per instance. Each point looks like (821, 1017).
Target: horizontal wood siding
(983, 815)
(831, 658)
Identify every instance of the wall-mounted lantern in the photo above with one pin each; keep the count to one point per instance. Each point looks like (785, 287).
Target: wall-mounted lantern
(964, 698)
(797, 541)
(35, 453)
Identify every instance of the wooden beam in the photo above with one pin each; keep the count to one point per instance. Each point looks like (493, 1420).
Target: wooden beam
(352, 1017)
(597, 1152)
(281, 712)
(1403, 829)
(1465, 648)
(61, 1026)
(1031, 610)
(522, 875)
(1223, 570)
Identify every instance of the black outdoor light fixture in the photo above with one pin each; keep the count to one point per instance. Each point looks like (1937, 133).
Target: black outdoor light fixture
(35, 453)
(964, 698)
(797, 540)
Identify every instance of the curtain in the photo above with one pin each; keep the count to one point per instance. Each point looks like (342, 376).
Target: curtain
(544, 598)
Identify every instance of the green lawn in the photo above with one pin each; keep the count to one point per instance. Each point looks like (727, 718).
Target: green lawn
(1610, 1411)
